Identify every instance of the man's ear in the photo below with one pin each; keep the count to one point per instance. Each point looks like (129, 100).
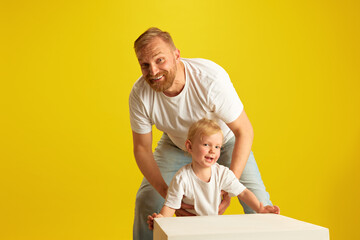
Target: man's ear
(188, 145)
(177, 54)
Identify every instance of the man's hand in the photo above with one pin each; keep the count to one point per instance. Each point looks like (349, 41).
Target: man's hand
(225, 202)
(182, 211)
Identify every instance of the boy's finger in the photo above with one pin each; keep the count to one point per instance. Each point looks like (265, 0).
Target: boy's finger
(277, 209)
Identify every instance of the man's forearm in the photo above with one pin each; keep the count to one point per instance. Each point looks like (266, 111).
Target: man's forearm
(240, 155)
(150, 170)
(244, 136)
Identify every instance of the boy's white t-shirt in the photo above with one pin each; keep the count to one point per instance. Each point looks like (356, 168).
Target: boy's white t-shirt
(208, 92)
(204, 196)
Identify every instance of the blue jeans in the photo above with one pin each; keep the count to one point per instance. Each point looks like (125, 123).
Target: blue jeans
(170, 159)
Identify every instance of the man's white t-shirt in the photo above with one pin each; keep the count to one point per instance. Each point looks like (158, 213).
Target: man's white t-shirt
(204, 196)
(208, 93)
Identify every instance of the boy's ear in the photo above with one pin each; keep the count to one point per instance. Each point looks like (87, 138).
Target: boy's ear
(188, 145)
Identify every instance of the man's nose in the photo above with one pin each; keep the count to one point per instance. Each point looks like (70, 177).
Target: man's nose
(153, 70)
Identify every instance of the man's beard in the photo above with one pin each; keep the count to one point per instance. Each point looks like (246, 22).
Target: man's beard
(164, 84)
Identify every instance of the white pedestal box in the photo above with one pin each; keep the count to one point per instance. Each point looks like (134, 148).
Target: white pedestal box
(244, 227)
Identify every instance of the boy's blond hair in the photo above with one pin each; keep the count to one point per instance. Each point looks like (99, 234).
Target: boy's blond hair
(145, 38)
(203, 127)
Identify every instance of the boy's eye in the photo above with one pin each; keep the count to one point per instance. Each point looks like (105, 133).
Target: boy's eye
(217, 147)
(205, 144)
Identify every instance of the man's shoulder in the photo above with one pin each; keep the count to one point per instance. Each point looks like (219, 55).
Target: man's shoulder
(198, 61)
(139, 84)
(141, 88)
(204, 68)
(201, 63)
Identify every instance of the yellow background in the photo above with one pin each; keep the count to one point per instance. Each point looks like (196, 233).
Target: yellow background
(66, 70)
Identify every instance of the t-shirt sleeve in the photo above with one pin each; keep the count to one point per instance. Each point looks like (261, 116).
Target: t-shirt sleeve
(175, 193)
(225, 101)
(230, 184)
(139, 119)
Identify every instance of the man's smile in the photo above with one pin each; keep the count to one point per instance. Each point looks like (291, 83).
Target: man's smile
(157, 78)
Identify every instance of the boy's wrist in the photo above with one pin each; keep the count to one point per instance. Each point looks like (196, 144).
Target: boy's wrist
(260, 208)
(164, 191)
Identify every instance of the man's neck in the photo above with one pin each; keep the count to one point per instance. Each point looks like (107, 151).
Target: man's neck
(179, 82)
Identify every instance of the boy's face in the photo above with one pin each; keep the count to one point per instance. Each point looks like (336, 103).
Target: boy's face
(205, 150)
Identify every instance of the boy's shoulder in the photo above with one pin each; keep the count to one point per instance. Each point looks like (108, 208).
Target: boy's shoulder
(219, 167)
(185, 168)
(183, 171)
(221, 171)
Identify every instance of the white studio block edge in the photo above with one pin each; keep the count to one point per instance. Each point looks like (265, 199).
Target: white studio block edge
(244, 227)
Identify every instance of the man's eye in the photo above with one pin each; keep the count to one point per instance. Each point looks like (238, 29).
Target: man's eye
(205, 144)
(160, 60)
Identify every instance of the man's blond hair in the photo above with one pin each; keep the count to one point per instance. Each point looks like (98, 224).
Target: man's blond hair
(145, 38)
(203, 127)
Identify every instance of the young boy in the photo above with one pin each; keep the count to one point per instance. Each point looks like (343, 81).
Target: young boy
(200, 182)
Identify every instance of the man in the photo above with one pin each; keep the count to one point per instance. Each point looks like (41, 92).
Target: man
(171, 94)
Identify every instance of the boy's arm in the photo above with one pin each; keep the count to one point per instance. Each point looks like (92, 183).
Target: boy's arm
(250, 199)
(165, 212)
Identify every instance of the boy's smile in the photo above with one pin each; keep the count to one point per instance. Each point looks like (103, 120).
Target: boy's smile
(209, 159)
(205, 150)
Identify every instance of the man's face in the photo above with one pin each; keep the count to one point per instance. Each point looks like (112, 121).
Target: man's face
(158, 64)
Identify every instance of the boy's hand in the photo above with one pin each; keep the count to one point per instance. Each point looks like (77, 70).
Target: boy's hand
(150, 220)
(269, 209)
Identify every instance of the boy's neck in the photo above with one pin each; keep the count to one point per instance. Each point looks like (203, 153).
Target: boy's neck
(203, 173)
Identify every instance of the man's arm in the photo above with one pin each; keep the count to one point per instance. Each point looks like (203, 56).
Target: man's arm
(244, 136)
(145, 160)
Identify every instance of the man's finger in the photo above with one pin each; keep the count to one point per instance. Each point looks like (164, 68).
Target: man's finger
(225, 203)
(182, 213)
(186, 206)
